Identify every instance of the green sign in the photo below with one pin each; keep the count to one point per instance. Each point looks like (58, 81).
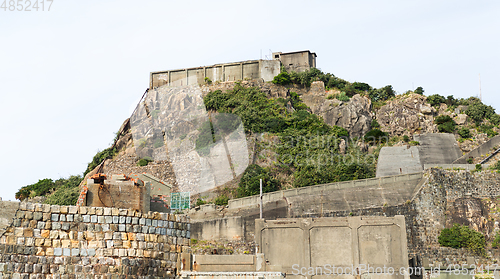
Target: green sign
(180, 200)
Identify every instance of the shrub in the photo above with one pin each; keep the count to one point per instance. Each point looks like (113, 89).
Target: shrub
(406, 138)
(312, 175)
(200, 201)
(464, 133)
(376, 135)
(478, 111)
(414, 143)
(463, 237)
(282, 78)
(208, 80)
(382, 94)
(375, 124)
(64, 196)
(361, 86)
(250, 181)
(343, 97)
(445, 124)
(419, 90)
(144, 161)
(479, 167)
(470, 160)
(222, 199)
(99, 158)
(496, 240)
(436, 100)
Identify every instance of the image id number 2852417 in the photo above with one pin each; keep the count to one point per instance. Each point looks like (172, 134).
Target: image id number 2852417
(26, 5)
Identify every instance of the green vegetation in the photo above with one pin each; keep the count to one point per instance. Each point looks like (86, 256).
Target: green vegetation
(343, 97)
(200, 201)
(445, 124)
(464, 133)
(208, 80)
(375, 124)
(463, 237)
(250, 181)
(488, 130)
(144, 161)
(419, 90)
(470, 160)
(479, 167)
(282, 78)
(406, 138)
(436, 100)
(376, 136)
(382, 94)
(63, 191)
(222, 200)
(99, 158)
(414, 143)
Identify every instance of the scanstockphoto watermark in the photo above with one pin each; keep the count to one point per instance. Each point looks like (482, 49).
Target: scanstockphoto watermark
(26, 5)
(328, 269)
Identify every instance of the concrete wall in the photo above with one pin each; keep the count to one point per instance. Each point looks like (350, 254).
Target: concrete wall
(437, 148)
(229, 228)
(434, 149)
(483, 149)
(232, 275)
(8, 210)
(298, 61)
(398, 160)
(222, 263)
(251, 69)
(44, 241)
(342, 242)
(402, 185)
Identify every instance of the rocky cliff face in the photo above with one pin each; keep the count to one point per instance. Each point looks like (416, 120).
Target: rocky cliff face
(353, 115)
(407, 115)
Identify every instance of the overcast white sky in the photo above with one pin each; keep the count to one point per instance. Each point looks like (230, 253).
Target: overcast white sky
(70, 76)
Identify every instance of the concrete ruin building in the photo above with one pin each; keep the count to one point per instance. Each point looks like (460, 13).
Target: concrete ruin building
(298, 61)
(141, 192)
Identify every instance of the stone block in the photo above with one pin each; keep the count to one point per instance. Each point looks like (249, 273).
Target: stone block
(75, 252)
(100, 219)
(148, 222)
(116, 219)
(37, 216)
(58, 252)
(72, 209)
(115, 211)
(107, 211)
(86, 218)
(91, 210)
(93, 218)
(99, 211)
(56, 226)
(55, 209)
(123, 219)
(54, 217)
(66, 252)
(82, 210)
(64, 209)
(123, 212)
(69, 217)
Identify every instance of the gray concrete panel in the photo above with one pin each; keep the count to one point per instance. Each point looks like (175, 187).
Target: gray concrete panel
(398, 160)
(8, 212)
(290, 244)
(437, 148)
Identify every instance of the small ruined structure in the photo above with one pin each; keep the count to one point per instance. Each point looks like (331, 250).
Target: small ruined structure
(119, 191)
(298, 61)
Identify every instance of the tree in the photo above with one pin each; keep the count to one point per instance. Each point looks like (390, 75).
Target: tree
(419, 90)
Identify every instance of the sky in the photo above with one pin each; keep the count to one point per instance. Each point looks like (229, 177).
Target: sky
(70, 76)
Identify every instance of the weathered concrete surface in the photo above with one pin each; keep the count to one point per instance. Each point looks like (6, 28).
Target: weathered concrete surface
(342, 242)
(483, 149)
(232, 275)
(403, 186)
(8, 212)
(398, 160)
(224, 263)
(229, 228)
(437, 148)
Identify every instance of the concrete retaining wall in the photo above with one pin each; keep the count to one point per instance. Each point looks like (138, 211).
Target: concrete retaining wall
(290, 244)
(483, 149)
(225, 263)
(251, 69)
(232, 275)
(90, 242)
(410, 180)
(229, 228)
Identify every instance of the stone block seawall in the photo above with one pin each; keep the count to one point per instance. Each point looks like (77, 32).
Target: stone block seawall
(69, 242)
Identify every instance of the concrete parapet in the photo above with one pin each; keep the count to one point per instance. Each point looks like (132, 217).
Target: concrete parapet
(235, 263)
(380, 183)
(483, 149)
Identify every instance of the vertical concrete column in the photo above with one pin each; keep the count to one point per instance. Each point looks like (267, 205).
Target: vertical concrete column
(187, 81)
(204, 73)
(223, 73)
(169, 79)
(241, 65)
